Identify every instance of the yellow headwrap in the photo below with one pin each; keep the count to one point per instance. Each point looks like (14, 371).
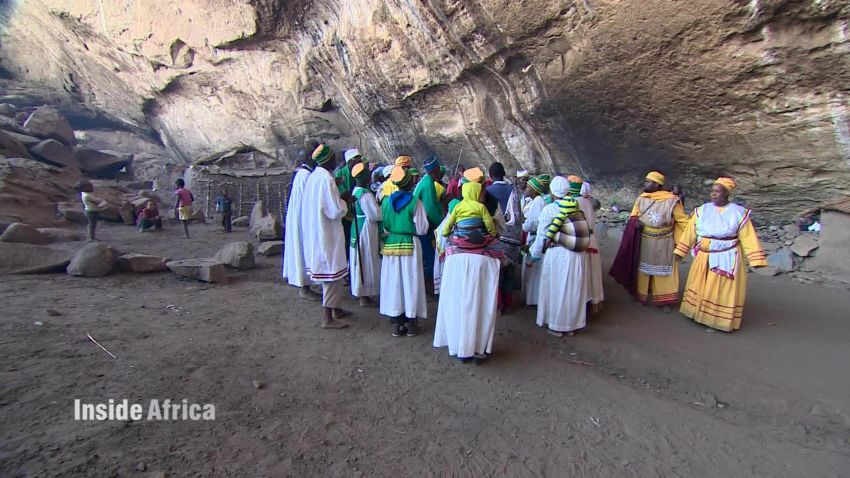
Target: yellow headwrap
(474, 175)
(357, 169)
(727, 183)
(404, 161)
(656, 177)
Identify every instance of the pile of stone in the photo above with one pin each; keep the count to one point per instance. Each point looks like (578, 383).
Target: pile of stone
(789, 251)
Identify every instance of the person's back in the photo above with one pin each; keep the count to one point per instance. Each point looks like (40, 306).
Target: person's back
(471, 217)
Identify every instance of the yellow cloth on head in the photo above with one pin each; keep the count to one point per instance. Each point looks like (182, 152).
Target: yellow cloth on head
(470, 208)
(357, 169)
(656, 177)
(727, 183)
(474, 175)
(404, 161)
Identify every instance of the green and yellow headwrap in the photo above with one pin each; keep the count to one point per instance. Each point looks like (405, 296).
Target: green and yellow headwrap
(575, 185)
(543, 181)
(535, 185)
(322, 154)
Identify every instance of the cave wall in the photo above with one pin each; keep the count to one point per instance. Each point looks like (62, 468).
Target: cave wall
(602, 88)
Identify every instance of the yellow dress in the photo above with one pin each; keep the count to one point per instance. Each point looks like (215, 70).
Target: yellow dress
(717, 283)
(669, 216)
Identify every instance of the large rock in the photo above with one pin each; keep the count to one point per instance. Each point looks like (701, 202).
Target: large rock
(258, 212)
(140, 185)
(8, 110)
(61, 235)
(10, 147)
(47, 122)
(804, 244)
(141, 263)
(23, 233)
(241, 221)
(207, 270)
(17, 258)
(55, 153)
(127, 213)
(270, 248)
(95, 259)
(102, 164)
(24, 139)
(268, 229)
(72, 211)
(782, 259)
(239, 255)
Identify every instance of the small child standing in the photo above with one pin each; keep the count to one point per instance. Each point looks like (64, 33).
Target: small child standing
(92, 205)
(184, 205)
(224, 205)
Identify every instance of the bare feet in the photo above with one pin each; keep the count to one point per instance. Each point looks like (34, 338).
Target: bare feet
(306, 293)
(340, 313)
(555, 333)
(367, 302)
(333, 324)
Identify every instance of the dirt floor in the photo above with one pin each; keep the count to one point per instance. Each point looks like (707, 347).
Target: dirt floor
(639, 392)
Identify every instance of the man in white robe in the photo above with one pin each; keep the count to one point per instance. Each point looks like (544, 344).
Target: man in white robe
(294, 271)
(402, 278)
(531, 271)
(322, 210)
(594, 261)
(562, 307)
(364, 244)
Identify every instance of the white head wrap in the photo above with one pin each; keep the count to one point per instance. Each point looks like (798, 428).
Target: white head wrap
(585, 188)
(351, 153)
(559, 187)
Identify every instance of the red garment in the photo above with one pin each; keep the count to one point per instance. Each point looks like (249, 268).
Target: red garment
(453, 189)
(147, 213)
(625, 266)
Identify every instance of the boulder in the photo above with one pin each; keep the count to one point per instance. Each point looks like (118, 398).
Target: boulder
(238, 255)
(23, 233)
(804, 244)
(141, 263)
(55, 153)
(61, 235)
(47, 122)
(268, 229)
(270, 248)
(207, 270)
(199, 216)
(767, 271)
(9, 110)
(258, 212)
(102, 164)
(11, 147)
(127, 213)
(17, 258)
(241, 221)
(140, 185)
(782, 260)
(72, 211)
(95, 259)
(24, 139)
(110, 213)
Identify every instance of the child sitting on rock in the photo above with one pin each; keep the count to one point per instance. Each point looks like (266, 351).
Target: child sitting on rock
(149, 218)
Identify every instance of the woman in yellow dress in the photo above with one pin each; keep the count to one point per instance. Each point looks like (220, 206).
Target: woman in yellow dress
(720, 234)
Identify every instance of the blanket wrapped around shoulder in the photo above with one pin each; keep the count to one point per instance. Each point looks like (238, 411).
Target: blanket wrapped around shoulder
(569, 228)
(470, 237)
(625, 267)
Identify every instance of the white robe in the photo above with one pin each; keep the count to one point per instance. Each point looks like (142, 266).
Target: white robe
(369, 249)
(402, 277)
(294, 271)
(594, 260)
(466, 314)
(562, 304)
(531, 275)
(324, 240)
(442, 242)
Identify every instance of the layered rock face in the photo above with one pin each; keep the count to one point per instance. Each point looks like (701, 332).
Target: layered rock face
(602, 88)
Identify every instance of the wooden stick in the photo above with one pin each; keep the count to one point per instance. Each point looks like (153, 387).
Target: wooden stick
(101, 346)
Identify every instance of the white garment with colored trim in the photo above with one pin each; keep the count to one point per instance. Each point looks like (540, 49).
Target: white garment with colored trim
(321, 223)
(369, 246)
(402, 277)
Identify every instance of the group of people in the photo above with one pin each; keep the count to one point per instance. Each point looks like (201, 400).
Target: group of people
(397, 234)
(718, 234)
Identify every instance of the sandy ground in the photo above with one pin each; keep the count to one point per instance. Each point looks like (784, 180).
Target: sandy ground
(638, 393)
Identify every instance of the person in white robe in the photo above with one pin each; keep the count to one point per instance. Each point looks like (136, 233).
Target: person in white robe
(594, 260)
(364, 245)
(468, 307)
(324, 241)
(562, 305)
(538, 191)
(293, 271)
(403, 297)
